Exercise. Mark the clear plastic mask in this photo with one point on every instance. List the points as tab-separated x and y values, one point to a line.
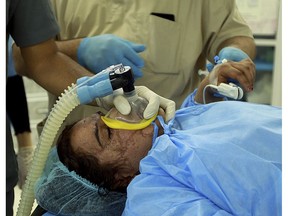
133	121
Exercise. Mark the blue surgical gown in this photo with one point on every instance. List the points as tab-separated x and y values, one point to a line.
222	158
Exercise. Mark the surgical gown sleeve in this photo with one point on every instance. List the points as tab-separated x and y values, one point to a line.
217	159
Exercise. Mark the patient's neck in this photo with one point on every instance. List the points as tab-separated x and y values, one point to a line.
160	128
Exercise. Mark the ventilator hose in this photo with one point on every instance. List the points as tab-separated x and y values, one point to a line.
66	103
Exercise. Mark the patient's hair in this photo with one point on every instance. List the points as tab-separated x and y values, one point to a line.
84	164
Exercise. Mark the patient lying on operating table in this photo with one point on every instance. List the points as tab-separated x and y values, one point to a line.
219	158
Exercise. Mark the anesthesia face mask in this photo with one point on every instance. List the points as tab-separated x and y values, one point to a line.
134	121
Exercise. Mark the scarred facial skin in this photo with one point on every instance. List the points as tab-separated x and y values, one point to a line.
124	147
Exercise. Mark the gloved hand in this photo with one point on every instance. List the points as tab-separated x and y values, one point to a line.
229	53
99	52
154	103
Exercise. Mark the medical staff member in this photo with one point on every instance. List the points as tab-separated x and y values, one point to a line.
178	37
32	26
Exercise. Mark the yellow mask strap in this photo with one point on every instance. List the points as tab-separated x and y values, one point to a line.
117	124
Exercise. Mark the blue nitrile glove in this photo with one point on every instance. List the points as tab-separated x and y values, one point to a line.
99	52
229	53
90	88
10	66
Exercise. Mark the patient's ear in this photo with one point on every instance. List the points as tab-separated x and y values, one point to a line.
122	179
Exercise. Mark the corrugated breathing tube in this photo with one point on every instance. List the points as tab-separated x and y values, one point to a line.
64	105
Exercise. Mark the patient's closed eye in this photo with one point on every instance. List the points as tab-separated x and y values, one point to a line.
109	132
100	113
102	133
96	132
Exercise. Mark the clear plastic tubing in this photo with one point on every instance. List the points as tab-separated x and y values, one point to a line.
66	103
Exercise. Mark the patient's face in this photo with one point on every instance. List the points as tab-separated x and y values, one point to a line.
111	146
